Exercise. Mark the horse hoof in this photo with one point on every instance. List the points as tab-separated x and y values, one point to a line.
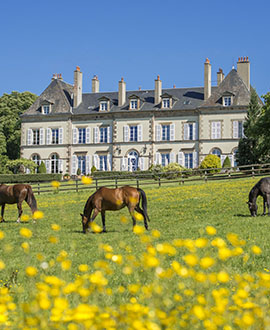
18	221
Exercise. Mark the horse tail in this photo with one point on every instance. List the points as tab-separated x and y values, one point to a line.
144	203
30	199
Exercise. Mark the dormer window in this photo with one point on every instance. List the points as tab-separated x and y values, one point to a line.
166	103
46	109
133	104
103	106
227	101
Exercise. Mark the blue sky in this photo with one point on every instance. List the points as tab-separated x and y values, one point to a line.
134	39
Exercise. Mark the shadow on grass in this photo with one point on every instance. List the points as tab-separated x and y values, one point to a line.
242	215
107	232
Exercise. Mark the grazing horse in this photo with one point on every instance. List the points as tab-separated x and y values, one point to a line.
261	188
17	194
106	199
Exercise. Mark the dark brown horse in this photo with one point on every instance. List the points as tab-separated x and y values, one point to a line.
261	188
17	194
106	199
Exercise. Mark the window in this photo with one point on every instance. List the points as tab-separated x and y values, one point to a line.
238	129
133	133
36	159
103	106
166	103
54	163
82	164
165	132
216	130
36	136
189	160
55	136
216	152
133	104
227	101
165	159
103	164
189	131
82	135
103	134
46	109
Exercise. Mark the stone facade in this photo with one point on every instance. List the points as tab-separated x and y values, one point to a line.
126	130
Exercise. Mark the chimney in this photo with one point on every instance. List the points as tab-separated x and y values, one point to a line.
95	84
220	76
158	90
121	92
207	79
54	76
243	69
77	98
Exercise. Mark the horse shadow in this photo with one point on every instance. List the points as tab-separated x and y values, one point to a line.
242	215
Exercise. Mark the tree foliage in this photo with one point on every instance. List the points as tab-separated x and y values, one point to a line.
226	163
211	161
19	165
42	168
11	107
263	136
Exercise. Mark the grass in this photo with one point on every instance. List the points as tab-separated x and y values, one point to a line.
176	211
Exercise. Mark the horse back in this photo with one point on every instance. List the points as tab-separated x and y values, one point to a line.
264	186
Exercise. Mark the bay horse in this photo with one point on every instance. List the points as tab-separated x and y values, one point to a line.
261	188
106	199
17	194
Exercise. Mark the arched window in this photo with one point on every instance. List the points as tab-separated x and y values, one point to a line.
36	158
216	152
54	163
133	159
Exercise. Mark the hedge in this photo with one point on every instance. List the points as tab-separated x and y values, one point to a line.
26	178
121	174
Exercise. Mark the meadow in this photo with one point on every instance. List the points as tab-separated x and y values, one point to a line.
204	263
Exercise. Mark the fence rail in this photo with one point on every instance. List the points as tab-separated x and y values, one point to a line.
157	178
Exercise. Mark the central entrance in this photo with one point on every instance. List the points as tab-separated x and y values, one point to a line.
133	161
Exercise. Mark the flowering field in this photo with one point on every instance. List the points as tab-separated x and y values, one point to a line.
204	263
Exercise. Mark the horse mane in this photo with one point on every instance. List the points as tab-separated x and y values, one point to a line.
30	199
253	193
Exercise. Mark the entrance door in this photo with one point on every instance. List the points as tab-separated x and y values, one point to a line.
132	161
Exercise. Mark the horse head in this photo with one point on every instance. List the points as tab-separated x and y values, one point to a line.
252	208
84	222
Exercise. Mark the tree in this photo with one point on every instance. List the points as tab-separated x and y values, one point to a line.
42	168
263	136
11	107
226	163
211	161
19	165
248	147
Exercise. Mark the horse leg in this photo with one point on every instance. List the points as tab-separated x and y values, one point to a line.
103	221
264	204
95	213
139	210
20	211
131	209
268	203
2	212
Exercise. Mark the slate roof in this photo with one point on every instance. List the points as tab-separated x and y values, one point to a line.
58	93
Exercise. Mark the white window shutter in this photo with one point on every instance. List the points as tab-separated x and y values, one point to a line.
61	135
61	165
195	131
186	127
96	161
123	164
87	134
231	157
172	132
140	133
181	158
48	165
96	135
29	137
48	136
41	136
195	159
74	165
235	129
87	165
218	129
222	158
75	134
158	132
126	133
213	130
109	162
109	133
172	157
141	163
158	158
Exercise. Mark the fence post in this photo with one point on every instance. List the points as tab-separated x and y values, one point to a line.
159	183
182	177
96	184
38	188
116	185
205	176
77	187
137	182
253	172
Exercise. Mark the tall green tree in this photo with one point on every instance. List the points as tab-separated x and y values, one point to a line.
248	147
264	129
11	107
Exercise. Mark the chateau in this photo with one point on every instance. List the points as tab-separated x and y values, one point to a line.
127	130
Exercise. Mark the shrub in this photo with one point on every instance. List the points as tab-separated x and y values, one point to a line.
211	162
79	172
93	169
19	165
227	162
28	178
42	168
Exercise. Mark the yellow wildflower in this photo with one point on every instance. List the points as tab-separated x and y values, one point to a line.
66	264
31	271
25	232
138	230
2	265
207	262
2	235
25	218
190	259
210	230
83	268
256	249
86	180
55	184
38	215
223	277
55	227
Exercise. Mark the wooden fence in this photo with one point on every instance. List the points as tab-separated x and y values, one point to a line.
157	178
